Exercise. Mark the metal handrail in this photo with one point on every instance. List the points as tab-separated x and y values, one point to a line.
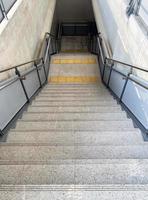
126	64
20	65
119	62
107	61
40	63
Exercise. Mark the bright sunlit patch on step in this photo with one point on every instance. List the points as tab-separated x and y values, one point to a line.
76	79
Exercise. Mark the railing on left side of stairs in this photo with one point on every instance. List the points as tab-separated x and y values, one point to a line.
25	81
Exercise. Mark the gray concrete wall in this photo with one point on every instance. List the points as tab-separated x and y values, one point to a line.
21	39
126	37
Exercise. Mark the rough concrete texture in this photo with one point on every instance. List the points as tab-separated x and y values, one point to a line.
21	39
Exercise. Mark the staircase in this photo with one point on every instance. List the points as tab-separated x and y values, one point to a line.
74	141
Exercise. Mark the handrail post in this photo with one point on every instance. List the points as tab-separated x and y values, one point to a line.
126	82
110	74
104	64
3	9
1	132
38	74
43	63
23	86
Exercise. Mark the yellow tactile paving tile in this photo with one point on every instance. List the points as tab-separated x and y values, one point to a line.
73	79
74	61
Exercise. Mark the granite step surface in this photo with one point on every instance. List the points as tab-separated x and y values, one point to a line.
87	94
74	125
118	171
74	103
72	91
75	109
74	116
47	98
76	138
74	192
44	152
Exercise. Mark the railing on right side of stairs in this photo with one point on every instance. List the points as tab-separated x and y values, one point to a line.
24	81
122	80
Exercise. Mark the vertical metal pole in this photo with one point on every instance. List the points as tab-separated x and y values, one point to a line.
38	74
43	63
110	75
124	88
1	132
51	43
21	80
104	70
3	9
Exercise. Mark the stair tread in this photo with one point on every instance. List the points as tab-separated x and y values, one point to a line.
75	109
75	125
74	116
97	103
75	192
81	138
40	152
100	172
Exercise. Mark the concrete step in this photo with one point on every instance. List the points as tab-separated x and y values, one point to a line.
75	172
74	192
74	103
74	116
79	78
75	109
44	152
93	93
86	95
74	92
73	55
73	70
74	89
69	86
73	98
76	138
74	125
